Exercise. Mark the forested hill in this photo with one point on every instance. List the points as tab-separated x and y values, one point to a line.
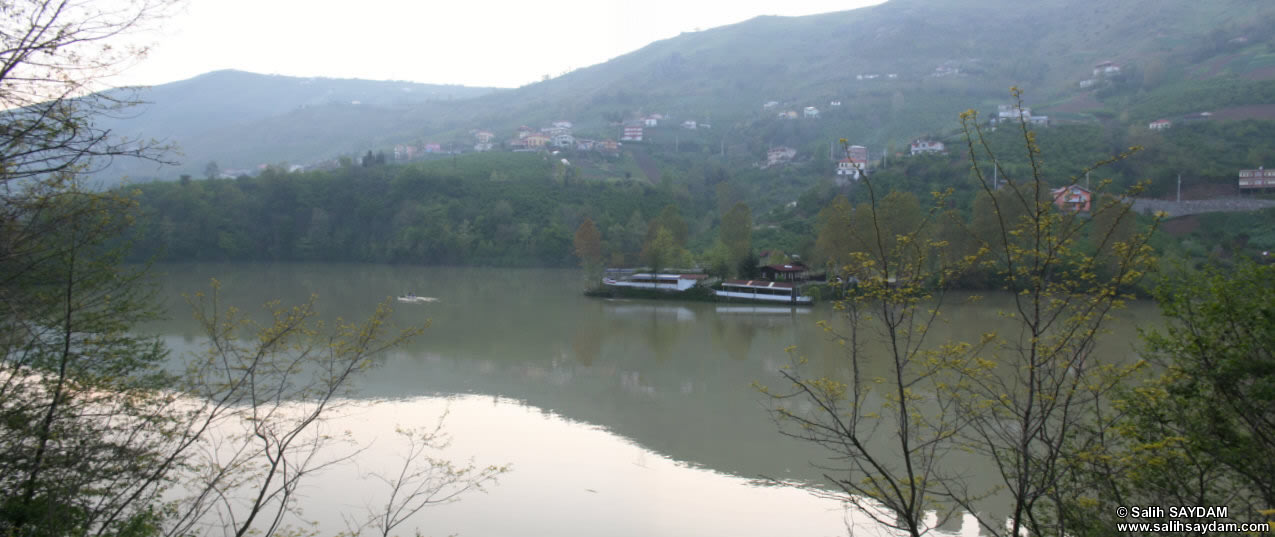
214	116
901	69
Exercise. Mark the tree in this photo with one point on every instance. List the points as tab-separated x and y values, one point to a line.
100	434
663	251
588	247
833	244
212	170
1021	396
736	233
1201	431
66	304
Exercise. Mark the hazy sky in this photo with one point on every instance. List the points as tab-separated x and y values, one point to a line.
478	43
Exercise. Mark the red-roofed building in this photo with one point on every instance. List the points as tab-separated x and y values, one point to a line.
1073	198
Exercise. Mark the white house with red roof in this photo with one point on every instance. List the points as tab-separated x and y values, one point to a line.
920	147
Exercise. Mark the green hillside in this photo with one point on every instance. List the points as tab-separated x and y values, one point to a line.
1177	57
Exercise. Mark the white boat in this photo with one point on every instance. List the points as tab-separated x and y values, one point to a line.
762	291
413	299
662	282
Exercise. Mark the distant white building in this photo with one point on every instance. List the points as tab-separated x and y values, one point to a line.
834	103
563	140
650	121
631	134
1106	68
920	147
562	124
1160	124
769	105
690	124
810	111
852	168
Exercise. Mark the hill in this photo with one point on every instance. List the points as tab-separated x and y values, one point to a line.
211	117
902	69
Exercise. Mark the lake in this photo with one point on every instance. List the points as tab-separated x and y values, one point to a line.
618	417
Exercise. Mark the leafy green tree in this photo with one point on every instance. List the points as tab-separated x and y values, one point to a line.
663	251
588	247
1201	431
834	243
736	233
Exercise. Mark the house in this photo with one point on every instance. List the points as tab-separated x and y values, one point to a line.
482	146
517	144
851	167
1261	178
560	124
433	148
1087	83
792	272
810	111
790	114
484	136
563	140
524	131
537	139
583	144
858	153
608	146
650	121
1012	111
926	146
1105	68
769	105
1160	124
689	124
834	104
631	134
778	155
1073	198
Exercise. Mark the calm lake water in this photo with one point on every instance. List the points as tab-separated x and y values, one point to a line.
618	417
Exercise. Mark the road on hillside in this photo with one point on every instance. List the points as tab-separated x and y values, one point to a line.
1187	207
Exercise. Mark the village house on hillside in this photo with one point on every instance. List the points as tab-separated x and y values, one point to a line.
631	133
1074	198
690	124
1259	179
1010	112
536	139
564	140
851	167
1160	124
810	111
779	155
1106	68
921	146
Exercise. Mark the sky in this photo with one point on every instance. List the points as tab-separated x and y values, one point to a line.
499	43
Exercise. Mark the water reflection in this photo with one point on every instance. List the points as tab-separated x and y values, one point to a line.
584	394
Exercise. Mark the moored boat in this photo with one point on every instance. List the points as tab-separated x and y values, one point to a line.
762	291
